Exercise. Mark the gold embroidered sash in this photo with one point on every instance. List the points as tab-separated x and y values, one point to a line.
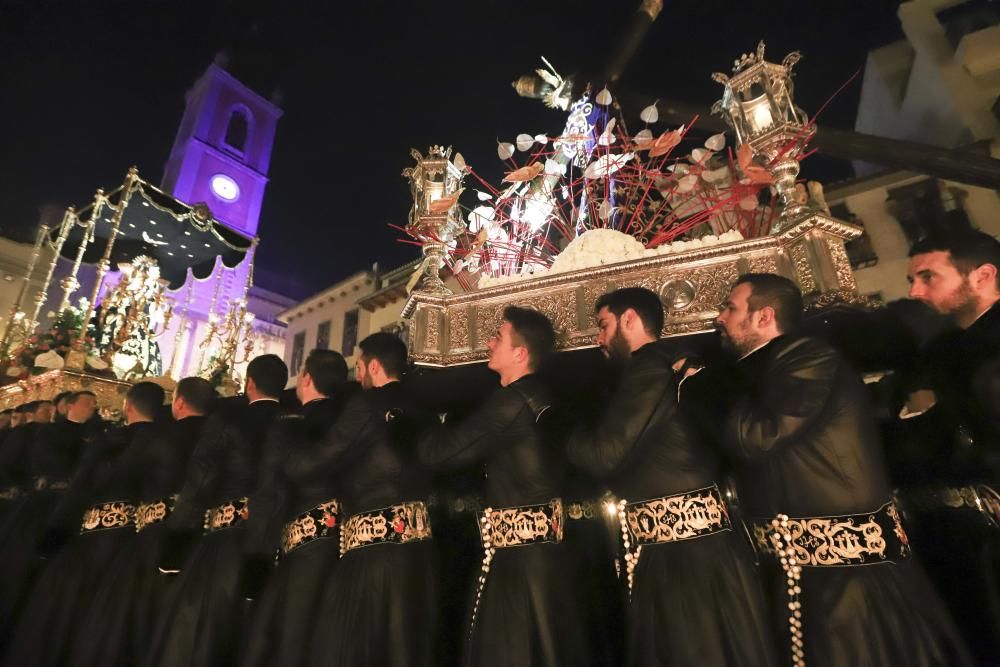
227	515
396	524
107	516
681	517
521	525
314	524
151	513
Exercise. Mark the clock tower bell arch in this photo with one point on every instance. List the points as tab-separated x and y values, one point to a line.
223	149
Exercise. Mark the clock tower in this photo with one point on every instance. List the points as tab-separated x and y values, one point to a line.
223	150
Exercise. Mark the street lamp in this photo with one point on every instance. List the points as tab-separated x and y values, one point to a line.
758	105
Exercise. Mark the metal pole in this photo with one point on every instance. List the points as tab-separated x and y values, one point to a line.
70	283
69	219
105	264
43	231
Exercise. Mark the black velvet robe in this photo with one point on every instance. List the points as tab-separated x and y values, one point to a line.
529	613
810	447
53	455
695	601
283	611
379	605
60	601
205	615
130	590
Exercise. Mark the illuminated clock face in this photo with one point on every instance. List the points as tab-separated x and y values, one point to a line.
225	188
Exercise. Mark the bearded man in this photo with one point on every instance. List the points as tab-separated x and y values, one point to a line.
694	593
814	486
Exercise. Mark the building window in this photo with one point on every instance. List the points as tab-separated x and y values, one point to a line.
323	336
298	348
860	251
350	332
928	208
237	131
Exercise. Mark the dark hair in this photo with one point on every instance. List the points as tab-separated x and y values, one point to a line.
644	302
197	392
146	397
778	292
25	408
60	396
968	250
77	394
8	411
534	331
269	373
388	349
327	369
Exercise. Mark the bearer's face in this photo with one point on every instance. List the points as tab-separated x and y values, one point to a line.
935	281
737	323
503	350
610	338
361	371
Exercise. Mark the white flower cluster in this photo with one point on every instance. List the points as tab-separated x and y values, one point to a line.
600	247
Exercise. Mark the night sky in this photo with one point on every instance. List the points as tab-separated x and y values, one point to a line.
91	88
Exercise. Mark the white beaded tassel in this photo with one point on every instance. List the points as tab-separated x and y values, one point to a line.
486	530
782	539
631	559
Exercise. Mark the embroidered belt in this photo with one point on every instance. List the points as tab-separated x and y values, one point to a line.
583	509
674	518
10	493
314	524
46	484
396	524
522	525
228	514
828	541
152	513
980	498
108	516
516	527
857	539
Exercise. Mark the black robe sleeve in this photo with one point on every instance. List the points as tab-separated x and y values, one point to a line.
447	447
643	393
790	396
355	424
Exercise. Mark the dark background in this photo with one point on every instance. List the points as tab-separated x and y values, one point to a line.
89	89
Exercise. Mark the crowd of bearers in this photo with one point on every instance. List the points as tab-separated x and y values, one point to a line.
755	517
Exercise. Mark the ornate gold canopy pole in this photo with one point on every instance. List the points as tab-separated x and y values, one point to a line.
69	219
213	317
43	231
70	283
105	264
182	326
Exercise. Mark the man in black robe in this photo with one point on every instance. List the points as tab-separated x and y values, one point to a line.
695	597
48	465
814	487
130	590
378	606
302	521
15	450
94	520
956	397
525	611
204	616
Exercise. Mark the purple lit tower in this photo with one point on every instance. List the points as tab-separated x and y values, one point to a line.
220	157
